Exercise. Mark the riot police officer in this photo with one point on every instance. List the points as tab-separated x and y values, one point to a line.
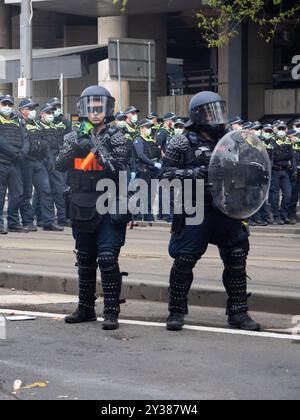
99	238
188	157
34	171
284	168
166	132
147	155
13	148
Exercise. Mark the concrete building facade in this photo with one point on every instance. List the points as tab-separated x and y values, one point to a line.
253	76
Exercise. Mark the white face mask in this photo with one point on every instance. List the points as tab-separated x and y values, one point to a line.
121	124
297	129
134	119
281	133
148	132
49	119
267	136
32	115
57	112
179	131
6	110
258	133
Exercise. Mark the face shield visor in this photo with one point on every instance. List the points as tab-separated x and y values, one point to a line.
101	107
212	114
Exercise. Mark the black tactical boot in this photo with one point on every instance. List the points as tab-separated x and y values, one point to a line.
181	280
243	322
18	229
53	228
81	315
31	228
175	322
3	231
111	321
235	282
87	272
112	285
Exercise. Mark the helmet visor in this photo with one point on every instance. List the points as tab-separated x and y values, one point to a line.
102	106
211	114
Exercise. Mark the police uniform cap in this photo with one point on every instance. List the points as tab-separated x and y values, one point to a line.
236	120
47	107
144	123
179	122
247	125
131	110
27	103
268	127
120	116
170	116
7	98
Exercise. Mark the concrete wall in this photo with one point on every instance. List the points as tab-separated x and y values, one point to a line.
5	37
282	101
150	27
260	72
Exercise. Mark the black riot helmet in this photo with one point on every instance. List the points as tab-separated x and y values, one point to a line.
97	99
208	113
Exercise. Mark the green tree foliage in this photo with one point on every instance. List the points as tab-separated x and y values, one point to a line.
220	20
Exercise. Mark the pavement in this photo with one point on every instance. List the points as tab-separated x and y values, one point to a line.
45	262
143	361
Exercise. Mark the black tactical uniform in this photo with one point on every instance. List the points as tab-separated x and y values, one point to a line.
34	171
284	167
296	180
13	148
188	157
99	239
165	134
147	158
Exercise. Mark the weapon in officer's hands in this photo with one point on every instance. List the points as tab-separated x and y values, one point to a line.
100	150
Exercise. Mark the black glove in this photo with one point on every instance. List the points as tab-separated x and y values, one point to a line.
82	143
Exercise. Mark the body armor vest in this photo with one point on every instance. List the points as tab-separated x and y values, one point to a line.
283	153
11	131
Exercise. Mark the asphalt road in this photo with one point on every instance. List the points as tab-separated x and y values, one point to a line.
144	362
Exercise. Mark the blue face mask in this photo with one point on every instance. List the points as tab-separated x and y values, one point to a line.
6	110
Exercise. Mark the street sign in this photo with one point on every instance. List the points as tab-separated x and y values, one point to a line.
22	88
134	59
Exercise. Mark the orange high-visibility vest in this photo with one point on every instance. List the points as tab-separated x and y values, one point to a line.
93	166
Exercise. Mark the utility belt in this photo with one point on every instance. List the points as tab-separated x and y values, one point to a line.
279	168
86	182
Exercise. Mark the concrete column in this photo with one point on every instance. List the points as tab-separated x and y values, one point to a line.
232	75
150	27
112	27
5	38
79	35
260	72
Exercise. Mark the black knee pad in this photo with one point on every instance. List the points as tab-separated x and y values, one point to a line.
107	260
185	262
84	259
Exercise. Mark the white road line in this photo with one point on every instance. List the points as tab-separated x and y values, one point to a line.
288	337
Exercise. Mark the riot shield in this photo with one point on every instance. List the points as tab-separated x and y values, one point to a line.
240	175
